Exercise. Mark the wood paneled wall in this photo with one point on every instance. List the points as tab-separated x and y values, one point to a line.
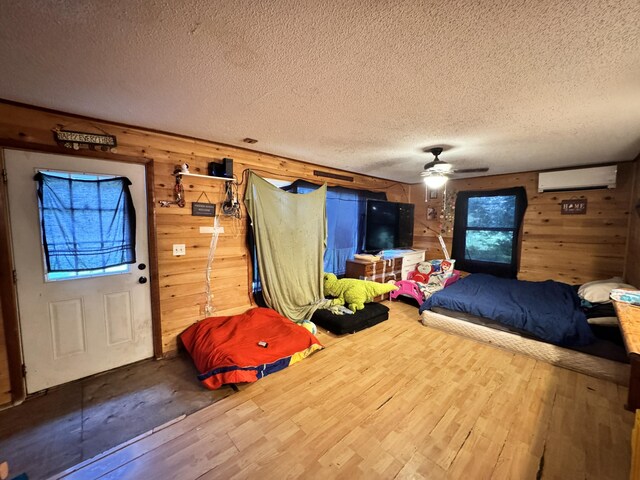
568	248
182	279
424	229
5	381
632	267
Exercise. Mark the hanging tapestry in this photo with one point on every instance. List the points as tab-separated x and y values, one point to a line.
289	232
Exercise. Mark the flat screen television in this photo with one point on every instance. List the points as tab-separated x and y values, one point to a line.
388	225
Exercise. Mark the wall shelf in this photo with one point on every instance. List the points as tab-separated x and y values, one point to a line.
224	179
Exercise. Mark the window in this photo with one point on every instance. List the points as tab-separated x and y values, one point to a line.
87	224
486	231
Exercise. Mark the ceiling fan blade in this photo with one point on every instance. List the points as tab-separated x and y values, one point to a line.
471	170
438	166
430	165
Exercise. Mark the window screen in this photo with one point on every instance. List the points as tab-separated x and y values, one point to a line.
86	224
486	231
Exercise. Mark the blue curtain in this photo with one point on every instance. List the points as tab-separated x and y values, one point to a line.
345	222
86	224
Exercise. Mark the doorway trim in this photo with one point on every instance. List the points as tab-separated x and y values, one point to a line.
8	297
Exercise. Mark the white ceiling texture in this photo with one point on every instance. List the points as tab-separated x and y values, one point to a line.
364	86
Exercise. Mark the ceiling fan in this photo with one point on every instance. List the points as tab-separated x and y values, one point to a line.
436	172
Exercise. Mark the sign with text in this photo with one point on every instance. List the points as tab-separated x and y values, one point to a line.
84	140
576	206
199	209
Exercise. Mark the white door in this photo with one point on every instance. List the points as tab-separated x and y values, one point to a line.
84	323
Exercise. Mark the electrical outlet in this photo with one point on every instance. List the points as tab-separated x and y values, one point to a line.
179	249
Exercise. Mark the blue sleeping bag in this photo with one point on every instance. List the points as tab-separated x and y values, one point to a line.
548	310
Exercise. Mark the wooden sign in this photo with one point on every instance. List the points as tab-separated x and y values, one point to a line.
78	140
577	206
200	209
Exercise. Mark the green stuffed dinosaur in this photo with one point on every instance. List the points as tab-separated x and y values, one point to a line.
353	292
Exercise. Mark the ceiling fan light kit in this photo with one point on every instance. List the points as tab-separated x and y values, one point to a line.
436	172
435	180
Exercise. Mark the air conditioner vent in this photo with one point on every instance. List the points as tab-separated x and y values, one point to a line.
578	179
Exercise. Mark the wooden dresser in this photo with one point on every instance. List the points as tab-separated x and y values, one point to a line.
395	268
380	272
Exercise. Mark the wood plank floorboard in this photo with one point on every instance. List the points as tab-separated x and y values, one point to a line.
398	400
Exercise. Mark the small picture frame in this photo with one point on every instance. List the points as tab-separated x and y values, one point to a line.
432	214
433	194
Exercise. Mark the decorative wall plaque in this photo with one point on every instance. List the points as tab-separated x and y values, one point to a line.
576	206
199	209
202	209
83	140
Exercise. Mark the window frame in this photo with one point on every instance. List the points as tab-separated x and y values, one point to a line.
461	228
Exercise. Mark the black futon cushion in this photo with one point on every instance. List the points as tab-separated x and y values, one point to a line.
370	315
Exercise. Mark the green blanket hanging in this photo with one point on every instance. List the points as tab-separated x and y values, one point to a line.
290	233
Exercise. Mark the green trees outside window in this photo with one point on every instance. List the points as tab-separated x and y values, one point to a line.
486	230
490	224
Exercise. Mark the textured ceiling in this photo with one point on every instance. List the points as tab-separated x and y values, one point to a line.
360	85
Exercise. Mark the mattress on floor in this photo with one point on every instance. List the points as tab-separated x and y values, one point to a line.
606	345
372	314
563	357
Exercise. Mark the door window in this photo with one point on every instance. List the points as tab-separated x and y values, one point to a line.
87	224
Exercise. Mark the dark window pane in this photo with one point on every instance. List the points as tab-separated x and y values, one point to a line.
495	211
489	246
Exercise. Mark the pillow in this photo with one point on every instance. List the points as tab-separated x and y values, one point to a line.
430	267
598	291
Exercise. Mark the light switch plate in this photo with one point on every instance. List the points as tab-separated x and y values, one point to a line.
179	249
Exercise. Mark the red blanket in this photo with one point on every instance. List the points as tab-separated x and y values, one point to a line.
227	349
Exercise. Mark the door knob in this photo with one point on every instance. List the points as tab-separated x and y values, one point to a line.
142	280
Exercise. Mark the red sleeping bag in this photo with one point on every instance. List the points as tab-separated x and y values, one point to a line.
228	349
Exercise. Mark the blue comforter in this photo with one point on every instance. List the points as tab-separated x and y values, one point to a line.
548	310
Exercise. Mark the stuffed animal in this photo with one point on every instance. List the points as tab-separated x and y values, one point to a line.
353	292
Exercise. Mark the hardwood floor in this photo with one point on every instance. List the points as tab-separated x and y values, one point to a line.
68	424
399	400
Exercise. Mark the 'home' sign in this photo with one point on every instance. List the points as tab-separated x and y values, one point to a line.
576	206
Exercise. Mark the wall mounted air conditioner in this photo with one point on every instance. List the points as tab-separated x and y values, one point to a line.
578	179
